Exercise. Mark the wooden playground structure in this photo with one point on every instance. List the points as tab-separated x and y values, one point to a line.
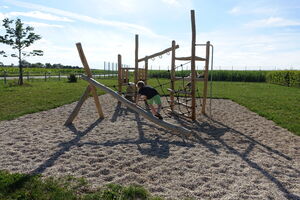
142	74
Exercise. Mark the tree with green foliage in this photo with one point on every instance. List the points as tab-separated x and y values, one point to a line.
19	36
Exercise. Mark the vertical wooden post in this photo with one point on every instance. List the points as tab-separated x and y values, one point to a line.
120	81
89	74
146	70
172	75
193	81
205	77
136	63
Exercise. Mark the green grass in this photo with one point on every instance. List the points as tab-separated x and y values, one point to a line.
274	102
39	95
33	187
277	103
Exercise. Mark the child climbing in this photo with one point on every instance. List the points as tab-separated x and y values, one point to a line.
151	96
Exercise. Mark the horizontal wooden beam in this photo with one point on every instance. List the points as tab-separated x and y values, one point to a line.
190	58
157	54
127	68
139	110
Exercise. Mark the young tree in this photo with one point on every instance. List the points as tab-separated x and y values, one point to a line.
19	37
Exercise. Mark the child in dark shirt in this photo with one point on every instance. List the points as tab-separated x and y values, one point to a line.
152	97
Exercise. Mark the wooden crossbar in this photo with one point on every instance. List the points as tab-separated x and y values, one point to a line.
157	54
197	58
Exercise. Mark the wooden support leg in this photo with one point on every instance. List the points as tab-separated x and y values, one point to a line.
89	74
97	102
78	106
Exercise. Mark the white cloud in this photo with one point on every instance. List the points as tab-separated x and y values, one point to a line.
253	10
186	4
134	28
5	7
39	24
272	22
2	16
235	10
172	2
40	15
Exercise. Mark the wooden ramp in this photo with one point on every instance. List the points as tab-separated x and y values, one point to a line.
138	109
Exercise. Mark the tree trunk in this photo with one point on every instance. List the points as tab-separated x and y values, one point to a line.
20	82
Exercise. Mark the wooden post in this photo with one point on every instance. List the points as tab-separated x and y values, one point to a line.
45	76
78	106
89	74
136	63
193	82
172	75
146	71
205	77
120	81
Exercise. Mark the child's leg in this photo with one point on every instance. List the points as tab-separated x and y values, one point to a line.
158	108
153	110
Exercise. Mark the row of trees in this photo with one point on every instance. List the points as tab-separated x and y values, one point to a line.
19	37
26	64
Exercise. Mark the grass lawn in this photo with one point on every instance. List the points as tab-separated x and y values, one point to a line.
278	103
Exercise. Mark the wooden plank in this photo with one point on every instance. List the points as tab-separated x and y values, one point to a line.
193	69
157	54
78	106
205	77
197	58
138	109
89	74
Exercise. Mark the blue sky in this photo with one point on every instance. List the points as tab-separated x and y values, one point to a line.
256	34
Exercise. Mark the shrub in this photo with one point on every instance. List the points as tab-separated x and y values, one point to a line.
72	78
285	78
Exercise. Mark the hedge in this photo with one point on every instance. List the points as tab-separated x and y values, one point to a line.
285	78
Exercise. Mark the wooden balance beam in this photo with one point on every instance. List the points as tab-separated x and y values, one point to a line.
138	109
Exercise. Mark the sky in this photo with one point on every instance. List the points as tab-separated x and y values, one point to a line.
246	35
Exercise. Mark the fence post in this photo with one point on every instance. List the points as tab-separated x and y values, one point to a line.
45	76
59	76
27	76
